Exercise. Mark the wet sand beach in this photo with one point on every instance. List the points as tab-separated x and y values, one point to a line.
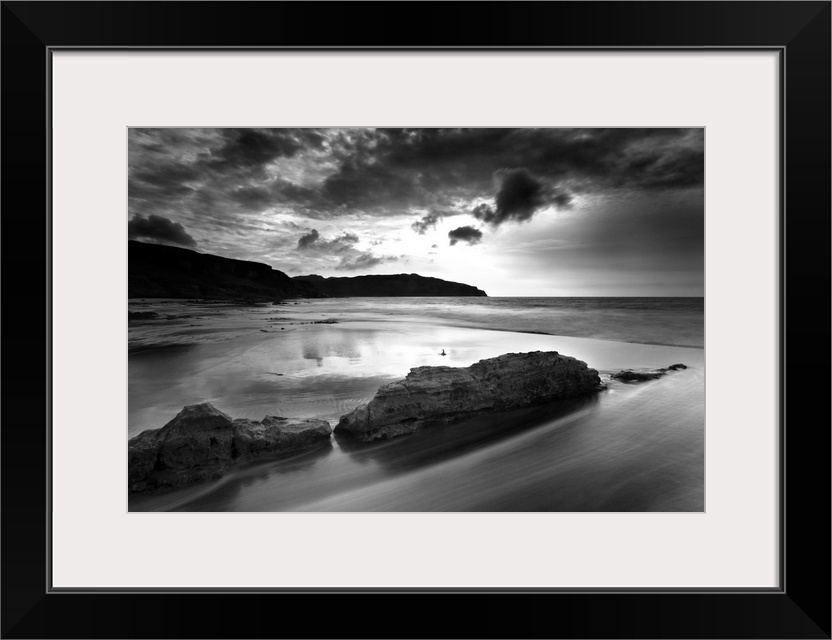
630	448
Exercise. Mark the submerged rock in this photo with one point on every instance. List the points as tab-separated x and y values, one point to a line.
201	443
449	394
645	374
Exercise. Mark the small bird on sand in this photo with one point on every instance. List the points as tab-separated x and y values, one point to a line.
443	353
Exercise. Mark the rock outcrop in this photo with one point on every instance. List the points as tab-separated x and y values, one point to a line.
449	394
201	443
642	375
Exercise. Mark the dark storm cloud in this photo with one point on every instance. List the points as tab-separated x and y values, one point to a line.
157	229
391	171
370	186
214	168
252	198
253	148
285	191
465	234
308	240
166	173
562	199
416	165
386	171
238	190
519	197
159	191
156	183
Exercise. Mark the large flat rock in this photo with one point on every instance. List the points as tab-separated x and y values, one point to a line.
430	395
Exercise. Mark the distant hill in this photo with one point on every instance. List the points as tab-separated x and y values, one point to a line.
388	286
159	271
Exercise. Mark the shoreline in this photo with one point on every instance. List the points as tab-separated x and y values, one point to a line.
303	316
562	335
326	370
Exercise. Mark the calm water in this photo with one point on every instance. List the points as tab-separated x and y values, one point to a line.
668	321
632	448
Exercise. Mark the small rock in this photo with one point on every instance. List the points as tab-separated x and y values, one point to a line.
643	375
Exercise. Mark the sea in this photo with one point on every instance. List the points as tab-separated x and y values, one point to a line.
632	447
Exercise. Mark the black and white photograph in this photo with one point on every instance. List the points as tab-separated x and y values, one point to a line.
416	311
416	320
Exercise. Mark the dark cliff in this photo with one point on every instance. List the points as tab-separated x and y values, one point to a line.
388	286
159	271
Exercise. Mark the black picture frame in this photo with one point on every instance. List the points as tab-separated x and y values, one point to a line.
799	608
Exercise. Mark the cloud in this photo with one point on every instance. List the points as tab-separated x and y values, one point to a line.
217	174
348	238
252	198
368	187
561	199
323	252
309	239
519	197
160	230
385	170
234	189
363	261
465	234
252	148
432	217
426	222
340	244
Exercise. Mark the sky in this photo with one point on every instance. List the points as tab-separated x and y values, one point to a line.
515	212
